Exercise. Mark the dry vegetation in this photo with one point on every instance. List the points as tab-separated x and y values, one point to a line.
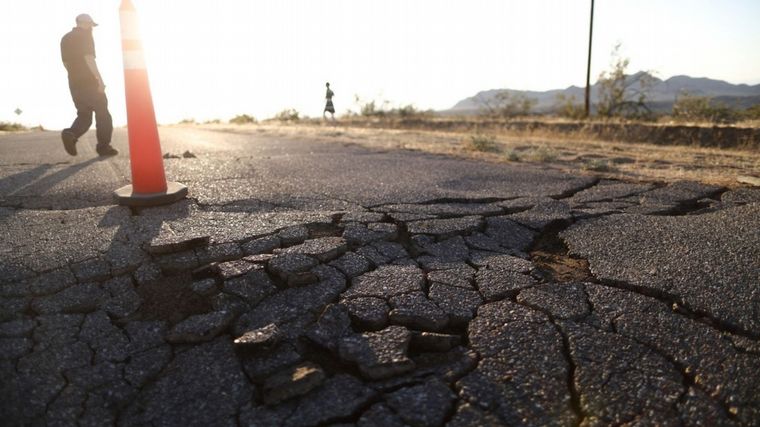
572	152
11	127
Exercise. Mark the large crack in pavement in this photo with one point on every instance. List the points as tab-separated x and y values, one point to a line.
689	378
572	382
346	315
554	263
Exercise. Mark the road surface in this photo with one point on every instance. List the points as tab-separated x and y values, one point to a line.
306	283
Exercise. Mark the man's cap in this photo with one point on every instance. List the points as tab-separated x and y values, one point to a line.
86	18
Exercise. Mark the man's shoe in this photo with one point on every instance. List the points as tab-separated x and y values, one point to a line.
106	150
69	142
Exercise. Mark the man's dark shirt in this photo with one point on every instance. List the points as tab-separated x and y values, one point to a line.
75	45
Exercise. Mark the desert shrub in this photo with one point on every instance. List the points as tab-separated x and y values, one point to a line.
506	104
372	108
512	155
212	122
695	108
689	107
621	95
242	119
722	113
382	109
288	115
11	127
567	106
542	154
752	113
482	143
187	121
408	110
368	109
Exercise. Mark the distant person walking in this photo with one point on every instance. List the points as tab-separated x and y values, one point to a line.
87	88
329	105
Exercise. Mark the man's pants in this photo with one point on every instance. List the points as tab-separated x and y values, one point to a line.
88	100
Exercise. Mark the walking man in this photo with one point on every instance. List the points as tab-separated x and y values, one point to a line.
87	88
329	105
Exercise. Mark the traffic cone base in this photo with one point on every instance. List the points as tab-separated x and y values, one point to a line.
174	191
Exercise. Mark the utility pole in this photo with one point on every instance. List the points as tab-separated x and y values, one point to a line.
588	66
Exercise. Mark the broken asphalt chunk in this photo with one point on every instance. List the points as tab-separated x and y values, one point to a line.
291	382
415	311
293	269
386	281
369	313
261	338
379	354
323	249
200	327
352	264
167	243
333	324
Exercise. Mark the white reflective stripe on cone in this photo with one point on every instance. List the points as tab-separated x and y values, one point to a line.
134	60
129	28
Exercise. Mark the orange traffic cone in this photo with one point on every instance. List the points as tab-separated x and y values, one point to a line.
149	186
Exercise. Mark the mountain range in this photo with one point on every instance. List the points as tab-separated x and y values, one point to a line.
660	97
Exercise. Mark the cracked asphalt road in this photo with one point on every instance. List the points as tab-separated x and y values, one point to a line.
307	284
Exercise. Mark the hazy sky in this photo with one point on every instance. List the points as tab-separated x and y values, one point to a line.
215	59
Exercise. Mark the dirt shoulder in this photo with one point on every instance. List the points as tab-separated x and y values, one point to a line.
572	152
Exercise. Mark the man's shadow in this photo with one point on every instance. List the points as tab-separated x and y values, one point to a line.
42	185
23	177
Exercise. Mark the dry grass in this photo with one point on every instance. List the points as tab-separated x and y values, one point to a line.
571	153
11	127
541	154
482	143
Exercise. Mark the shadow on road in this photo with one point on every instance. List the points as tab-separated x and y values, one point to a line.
46	183
135	231
21	178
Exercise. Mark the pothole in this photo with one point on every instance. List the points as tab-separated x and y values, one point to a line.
550	256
